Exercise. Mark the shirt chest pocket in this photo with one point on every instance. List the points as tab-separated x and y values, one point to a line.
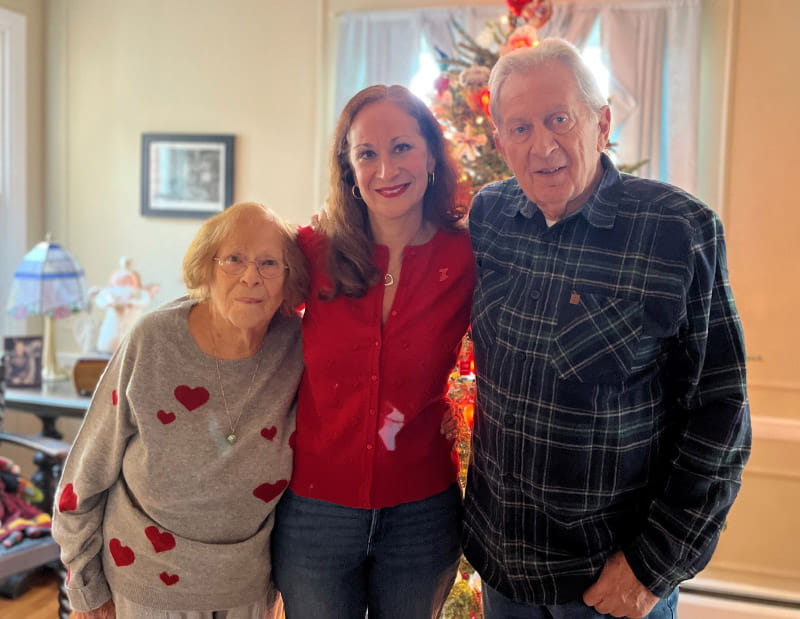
597	338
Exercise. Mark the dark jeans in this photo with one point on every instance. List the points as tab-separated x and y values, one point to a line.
497	606
334	562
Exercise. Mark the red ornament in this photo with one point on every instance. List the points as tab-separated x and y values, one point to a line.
441	84
516	6
537	13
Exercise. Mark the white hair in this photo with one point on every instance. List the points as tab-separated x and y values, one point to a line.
528	58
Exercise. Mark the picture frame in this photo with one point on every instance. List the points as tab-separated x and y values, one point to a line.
186	175
23	360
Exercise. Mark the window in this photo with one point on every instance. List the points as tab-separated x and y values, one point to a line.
651	49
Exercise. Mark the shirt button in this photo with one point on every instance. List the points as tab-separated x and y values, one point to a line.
508	420
372	411
535	294
374	378
369	445
393	313
521	356
508	479
377	343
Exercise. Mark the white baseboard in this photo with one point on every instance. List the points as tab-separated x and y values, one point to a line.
695	606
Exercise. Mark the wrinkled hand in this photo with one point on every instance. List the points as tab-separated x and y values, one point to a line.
449	427
618	592
106	611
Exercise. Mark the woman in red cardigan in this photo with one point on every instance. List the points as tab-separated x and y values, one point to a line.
372	519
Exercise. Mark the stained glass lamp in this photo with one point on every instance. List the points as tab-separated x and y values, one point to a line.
48	282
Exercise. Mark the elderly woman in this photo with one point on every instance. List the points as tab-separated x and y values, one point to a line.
166	504
372	519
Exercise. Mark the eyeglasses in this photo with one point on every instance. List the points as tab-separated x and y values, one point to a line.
268	268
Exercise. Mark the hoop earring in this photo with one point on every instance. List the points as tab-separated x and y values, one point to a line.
432	178
356	192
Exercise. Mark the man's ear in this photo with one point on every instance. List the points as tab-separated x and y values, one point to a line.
604	128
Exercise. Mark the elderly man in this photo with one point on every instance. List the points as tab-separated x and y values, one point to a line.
613	422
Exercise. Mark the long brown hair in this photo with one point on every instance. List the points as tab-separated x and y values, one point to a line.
345	220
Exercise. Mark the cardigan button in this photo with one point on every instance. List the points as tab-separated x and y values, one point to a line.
374	378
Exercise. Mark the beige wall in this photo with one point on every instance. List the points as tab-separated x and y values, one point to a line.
760	545
118	69
34	13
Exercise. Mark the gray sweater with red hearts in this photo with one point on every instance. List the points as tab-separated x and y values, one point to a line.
154	504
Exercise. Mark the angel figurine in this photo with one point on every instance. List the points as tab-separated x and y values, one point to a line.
124	301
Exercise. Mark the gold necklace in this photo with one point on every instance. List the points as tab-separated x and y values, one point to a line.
231	438
388	278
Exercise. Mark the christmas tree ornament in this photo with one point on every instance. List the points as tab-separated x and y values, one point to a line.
537	13
516	6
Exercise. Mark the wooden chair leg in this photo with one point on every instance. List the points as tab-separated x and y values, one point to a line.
64	608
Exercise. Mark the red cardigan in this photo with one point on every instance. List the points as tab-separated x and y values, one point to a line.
372	398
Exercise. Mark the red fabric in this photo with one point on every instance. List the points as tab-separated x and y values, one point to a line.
358	373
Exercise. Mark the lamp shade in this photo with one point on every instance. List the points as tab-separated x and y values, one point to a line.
48	281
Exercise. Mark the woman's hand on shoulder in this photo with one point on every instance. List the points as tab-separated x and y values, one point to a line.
450	419
106	611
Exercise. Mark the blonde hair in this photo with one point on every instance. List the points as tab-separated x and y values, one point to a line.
198	261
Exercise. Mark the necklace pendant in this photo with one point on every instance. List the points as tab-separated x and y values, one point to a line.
388	280
231	438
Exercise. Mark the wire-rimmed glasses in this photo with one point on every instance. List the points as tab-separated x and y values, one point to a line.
268	268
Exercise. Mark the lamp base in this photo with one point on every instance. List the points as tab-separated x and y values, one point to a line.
51	375
51	371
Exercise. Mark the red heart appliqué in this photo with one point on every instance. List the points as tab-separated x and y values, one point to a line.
191	398
169	579
269	433
165	417
69	500
114	397
123	555
161	541
267	492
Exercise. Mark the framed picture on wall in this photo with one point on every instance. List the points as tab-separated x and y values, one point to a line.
23	361
186	175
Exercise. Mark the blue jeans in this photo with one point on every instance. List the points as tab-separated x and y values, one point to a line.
498	606
334	562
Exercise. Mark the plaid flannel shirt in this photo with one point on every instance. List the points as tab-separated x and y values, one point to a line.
611	411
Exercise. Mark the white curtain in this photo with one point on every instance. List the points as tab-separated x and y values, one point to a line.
365	38
363	57
571	21
652	50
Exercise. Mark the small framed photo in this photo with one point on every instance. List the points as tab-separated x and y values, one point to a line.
23	361
186	175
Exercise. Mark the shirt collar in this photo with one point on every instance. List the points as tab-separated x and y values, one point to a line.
600	209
